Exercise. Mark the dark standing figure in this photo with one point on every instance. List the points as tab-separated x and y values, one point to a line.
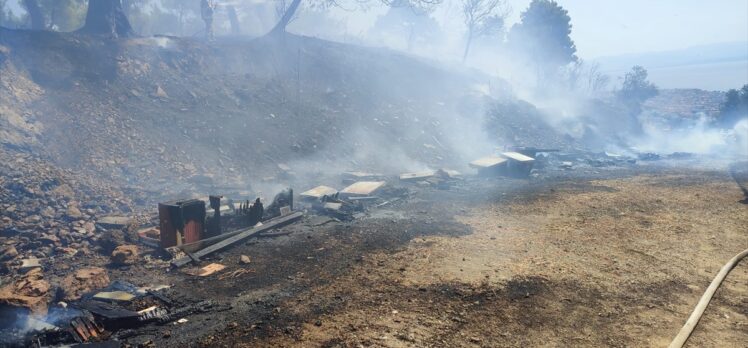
214	226
208	7
255	213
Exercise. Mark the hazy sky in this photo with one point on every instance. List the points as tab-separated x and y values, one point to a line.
612	27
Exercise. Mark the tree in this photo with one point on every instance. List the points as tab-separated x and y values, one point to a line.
140	14
179	11
734	108
36	16
584	77
289	12
107	17
596	80
636	89
280	27
8	18
542	37
4	15
58	15
64	15
234	20
407	25
482	18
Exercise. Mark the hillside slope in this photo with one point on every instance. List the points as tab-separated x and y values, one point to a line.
158	113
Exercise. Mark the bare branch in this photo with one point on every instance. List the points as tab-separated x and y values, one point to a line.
483	18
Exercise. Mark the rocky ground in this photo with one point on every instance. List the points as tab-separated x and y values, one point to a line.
688	103
50	212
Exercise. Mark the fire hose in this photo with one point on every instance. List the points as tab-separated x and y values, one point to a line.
687	329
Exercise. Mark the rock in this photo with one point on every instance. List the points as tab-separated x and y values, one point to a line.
110	240
48	212
125	255
74	212
33	219
117	222
160	93
83	281
8	253
66	251
29	264
244	259
30	294
49	239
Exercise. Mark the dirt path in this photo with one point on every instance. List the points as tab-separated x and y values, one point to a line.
617	262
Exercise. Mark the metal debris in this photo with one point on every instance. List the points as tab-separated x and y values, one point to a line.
239	236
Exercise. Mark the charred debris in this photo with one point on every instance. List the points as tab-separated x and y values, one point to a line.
185	235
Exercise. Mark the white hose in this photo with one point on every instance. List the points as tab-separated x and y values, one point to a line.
687	329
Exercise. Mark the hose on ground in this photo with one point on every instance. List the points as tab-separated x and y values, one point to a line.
687	329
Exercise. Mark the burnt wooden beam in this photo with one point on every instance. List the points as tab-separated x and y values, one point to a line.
239	237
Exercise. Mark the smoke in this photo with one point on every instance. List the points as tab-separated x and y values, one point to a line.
696	137
26	322
741	137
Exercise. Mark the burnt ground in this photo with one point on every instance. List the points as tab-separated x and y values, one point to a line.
612	258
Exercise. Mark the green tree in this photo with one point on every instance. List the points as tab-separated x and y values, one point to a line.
636	89
542	37
64	15
734	108
58	15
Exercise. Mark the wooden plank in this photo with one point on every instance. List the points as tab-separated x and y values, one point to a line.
417	176
362	198
517	156
318	192
207	270
362	188
193	247
488	162
240	236
361	176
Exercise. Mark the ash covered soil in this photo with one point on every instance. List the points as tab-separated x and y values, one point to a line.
618	259
616	255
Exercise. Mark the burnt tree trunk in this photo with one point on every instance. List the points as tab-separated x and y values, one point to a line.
280	28
234	19
107	17
35	14
467	44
